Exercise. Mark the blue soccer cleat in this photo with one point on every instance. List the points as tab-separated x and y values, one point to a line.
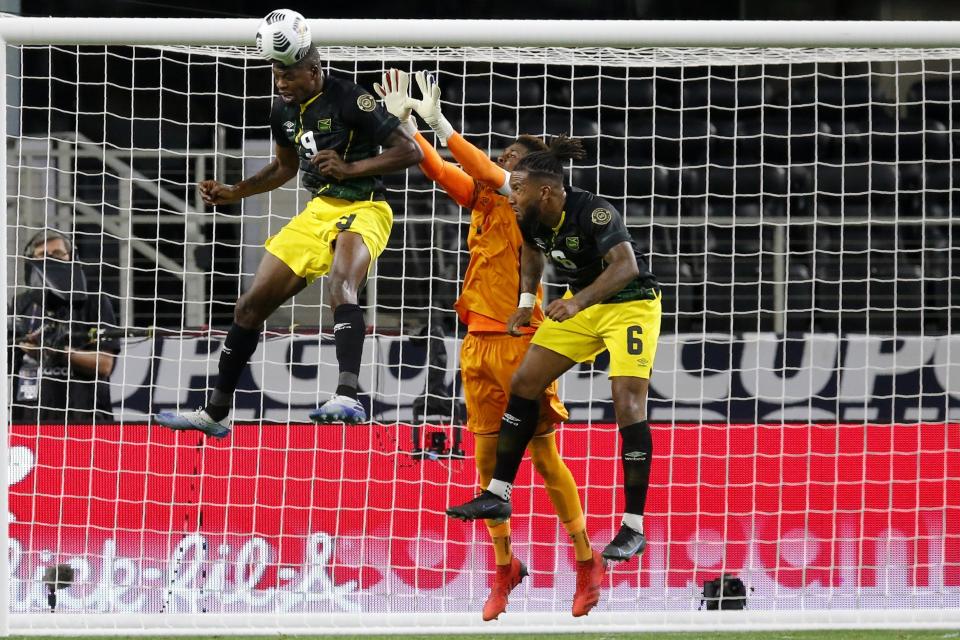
339	409
488	506
627	543
197	420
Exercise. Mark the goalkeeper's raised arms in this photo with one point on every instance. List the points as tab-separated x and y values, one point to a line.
397	101
476	163
429	107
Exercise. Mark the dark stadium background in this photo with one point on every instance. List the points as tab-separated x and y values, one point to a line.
905	275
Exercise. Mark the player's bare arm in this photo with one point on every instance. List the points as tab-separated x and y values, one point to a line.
621	269
98	363
278	172
531	270
400	151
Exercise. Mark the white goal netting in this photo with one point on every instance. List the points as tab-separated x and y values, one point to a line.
797	206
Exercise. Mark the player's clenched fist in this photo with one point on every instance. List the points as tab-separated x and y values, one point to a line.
564	309
329	163
519	318
213	193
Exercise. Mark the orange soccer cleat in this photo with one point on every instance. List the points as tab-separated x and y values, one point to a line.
589	576
508	576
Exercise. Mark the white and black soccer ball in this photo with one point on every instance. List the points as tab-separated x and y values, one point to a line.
284	37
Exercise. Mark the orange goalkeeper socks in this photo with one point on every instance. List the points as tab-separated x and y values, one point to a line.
500	536
562	490
578	535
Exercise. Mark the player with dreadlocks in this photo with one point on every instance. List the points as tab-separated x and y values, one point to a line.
612	303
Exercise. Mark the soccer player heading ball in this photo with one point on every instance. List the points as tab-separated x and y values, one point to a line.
613	303
330	130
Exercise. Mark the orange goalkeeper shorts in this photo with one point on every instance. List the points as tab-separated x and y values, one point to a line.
487	363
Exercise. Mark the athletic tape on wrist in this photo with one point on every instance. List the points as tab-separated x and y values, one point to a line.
442	127
527	301
410	125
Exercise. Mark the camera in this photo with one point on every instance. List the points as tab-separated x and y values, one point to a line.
726	592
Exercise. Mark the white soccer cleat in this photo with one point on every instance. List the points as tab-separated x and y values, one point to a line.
340	409
197	420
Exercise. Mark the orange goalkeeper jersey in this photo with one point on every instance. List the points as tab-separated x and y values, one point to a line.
491	287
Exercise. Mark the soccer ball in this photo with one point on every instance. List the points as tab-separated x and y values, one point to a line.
283	36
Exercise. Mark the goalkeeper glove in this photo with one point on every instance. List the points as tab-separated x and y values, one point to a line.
395	98
429	107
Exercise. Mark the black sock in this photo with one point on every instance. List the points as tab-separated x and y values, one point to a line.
635	457
238	346
516	430
348	332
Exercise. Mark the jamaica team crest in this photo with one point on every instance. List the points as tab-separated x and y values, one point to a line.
601	216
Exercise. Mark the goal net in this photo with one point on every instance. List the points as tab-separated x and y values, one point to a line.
797	205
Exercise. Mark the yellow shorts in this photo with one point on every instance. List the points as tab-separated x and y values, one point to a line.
629	330
487	363
305	244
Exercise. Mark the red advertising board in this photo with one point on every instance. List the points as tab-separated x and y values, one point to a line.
307	518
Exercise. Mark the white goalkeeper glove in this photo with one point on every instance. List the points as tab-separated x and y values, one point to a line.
429	107
395	98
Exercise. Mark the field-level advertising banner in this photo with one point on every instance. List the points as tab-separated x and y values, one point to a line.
697	378
326	519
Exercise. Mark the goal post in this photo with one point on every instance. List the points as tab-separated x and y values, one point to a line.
793	186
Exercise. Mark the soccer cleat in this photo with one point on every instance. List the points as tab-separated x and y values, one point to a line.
339	409
507	578
626	544
197	420
486	505
589	576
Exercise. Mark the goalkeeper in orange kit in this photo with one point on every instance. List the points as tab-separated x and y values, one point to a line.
490	354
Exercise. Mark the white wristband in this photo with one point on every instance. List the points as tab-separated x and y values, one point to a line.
442	127
527	301
410	125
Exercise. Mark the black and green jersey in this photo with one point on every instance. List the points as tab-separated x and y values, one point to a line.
343	117
588	229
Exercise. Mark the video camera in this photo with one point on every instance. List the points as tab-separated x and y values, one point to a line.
57	334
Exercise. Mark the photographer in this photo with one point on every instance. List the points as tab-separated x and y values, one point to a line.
60	370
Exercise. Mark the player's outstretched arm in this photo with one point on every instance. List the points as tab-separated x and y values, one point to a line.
450	177
621	269
531	270
278	171
474	161
454	181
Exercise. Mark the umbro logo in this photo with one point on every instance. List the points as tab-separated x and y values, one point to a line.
635	456
341	325
289	124
511	419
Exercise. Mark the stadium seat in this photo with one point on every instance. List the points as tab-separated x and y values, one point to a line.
887	139
663	137
781	136
844	188
834	99
935	97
